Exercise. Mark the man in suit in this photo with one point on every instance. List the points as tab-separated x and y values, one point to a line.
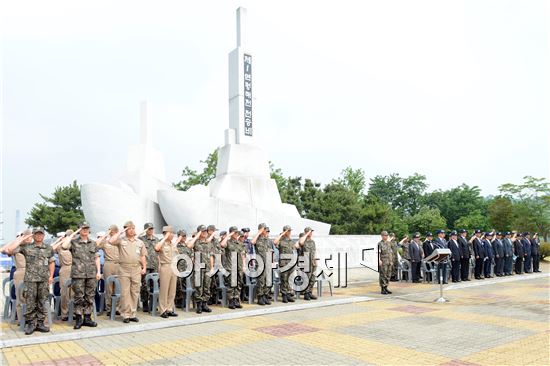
498	249
455	256
535	252
428	247
464	255
518	251
441	243
415	254
527	251
508	253
479	252
489	255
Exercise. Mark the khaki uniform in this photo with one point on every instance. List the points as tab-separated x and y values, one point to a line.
83	274
65	263
38	258
130	253
385	253
18	278
110	268
167	277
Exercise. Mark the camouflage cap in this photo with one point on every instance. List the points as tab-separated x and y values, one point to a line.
148	225
267	229
38	229
301	234
222	233
167	229
307	229
384	233
182	233
239	232
287	228
233	229
128	224
245	230
211	228
262	226
201	228
84	225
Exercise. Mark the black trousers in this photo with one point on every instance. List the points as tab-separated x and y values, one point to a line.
499	265
508	265
464	268
536	262
519	265
442	272
455	270
415	269
478	270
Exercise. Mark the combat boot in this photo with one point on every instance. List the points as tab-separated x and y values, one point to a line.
290	298
285	299
388	291
231	304
383	291
41	327
146	306
88	322
261	301
312	297
29	328
306	296
205	308
199	307
266	300
238	304
78	322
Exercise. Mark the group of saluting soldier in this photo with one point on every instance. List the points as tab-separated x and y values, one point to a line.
130	257
493	252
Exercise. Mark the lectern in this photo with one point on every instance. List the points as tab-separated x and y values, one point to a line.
439	256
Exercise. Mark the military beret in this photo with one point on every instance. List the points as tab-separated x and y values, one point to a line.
262	226
38	229
287	228
233	229
384	233
429	234
148	225
84	225
128	224
167	229
222	233
211	228
307	229
182	233
201	228
462	231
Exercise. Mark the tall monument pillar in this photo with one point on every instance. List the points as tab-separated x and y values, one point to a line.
241	119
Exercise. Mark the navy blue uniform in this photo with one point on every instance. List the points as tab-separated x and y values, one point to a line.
455	260
442	266
535	254
498	249
518	251
464	258
527	254
479	252
508	256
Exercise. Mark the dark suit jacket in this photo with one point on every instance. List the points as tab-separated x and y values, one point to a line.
498	248
428	247
488	249
508	247
440	243
479	249
518	248
414	252
526	246
464	247
535	246
455	250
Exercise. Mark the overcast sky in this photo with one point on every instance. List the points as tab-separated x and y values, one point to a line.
454	90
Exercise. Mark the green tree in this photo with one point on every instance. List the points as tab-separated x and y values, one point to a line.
501	213
353	179
531	204
192	177
59	212
456	202
474	220
426	219
405	195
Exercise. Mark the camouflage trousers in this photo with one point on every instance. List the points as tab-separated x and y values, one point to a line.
143	293
261	282
36	295
84	295
285	276
311	278
384	273
202	292
234	292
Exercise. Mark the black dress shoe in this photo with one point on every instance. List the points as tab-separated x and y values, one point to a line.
64	318
134	319
172	314
164	315
126	320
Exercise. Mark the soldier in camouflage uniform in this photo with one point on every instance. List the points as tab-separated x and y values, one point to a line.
203	253
263	245
394	248
85	272
385	262
182	266
216	250
150	240
286	247
309	249
40	267
231	244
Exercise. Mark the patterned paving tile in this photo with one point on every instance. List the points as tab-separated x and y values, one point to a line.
286	330
412	309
